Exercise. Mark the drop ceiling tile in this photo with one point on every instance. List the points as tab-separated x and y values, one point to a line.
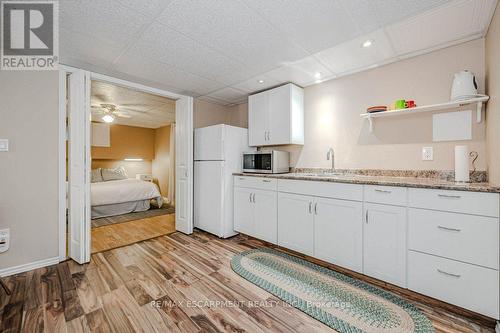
235	30
214	100
440	26
165	45
390	11
104	19
313	24
141	67
301	72
352	55
75	46
228	94
150	8
253	85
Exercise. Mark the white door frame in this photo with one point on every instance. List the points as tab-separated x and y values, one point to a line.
63	71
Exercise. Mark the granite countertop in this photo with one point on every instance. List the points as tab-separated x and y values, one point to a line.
433	183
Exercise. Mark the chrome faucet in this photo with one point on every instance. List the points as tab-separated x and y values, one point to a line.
331	155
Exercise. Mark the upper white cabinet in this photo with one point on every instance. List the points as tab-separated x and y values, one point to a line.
276	116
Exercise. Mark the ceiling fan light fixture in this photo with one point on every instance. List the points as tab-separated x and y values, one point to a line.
108	118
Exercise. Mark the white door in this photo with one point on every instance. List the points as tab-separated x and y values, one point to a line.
384	249
184	165
279	115
266	215
208	196
244	210
257	119
338	232
295	222
79	166
209	143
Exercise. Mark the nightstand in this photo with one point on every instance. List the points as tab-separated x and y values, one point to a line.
144	176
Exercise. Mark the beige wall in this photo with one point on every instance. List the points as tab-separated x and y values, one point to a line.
161	162
127	142
131	167
332	111
207	114
29	171
493	90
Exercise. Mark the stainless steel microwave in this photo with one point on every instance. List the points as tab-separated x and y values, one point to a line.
273	161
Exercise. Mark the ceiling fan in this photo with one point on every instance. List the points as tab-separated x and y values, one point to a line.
109	112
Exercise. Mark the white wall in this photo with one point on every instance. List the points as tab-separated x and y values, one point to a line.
332	111
493	90
29	171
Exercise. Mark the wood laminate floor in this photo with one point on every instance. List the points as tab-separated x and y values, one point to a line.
126	233
173	283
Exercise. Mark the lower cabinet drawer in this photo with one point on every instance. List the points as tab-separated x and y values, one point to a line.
262	183
468	286
469	238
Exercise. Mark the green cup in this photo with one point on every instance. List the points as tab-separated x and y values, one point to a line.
399	104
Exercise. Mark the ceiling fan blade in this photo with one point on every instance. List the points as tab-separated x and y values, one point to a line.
122	114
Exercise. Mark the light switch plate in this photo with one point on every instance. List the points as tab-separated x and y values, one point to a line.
427	154
4	145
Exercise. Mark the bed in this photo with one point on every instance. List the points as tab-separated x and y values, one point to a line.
117	197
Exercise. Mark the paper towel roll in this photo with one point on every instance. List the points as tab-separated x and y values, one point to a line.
461	164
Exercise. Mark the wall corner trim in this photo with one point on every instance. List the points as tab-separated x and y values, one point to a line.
28	267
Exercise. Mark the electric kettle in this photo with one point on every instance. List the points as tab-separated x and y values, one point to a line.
464	86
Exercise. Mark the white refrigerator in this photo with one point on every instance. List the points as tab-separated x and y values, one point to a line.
218	153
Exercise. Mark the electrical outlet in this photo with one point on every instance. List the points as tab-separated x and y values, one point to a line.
427	154
4	240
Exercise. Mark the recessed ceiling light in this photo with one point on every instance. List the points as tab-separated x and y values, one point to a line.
261	81
368	43
108	118
317	75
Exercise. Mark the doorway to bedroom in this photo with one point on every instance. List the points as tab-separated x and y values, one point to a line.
132	190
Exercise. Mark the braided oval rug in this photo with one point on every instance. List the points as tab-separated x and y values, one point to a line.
341	302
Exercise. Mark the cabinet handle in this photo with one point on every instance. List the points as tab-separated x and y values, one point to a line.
254	198
366	216
241	178
449	274
310	207
269	135
316	208
382	191
265	135
448	229
266	181
250	198
449	196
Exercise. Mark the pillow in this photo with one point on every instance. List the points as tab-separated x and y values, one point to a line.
114	174
96	176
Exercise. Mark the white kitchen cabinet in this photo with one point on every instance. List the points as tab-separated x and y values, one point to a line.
265	215
295	222
276	116
258	106
338	232
243	210
384	250
255	208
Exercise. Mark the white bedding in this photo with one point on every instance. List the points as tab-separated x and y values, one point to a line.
125	190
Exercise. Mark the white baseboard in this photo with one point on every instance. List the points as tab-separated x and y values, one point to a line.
28	267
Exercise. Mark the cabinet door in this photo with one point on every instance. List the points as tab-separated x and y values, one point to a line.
295	222
279	115
338	232
243	210
258	106
384	248
266	215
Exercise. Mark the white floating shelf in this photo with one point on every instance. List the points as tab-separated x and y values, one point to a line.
428	108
